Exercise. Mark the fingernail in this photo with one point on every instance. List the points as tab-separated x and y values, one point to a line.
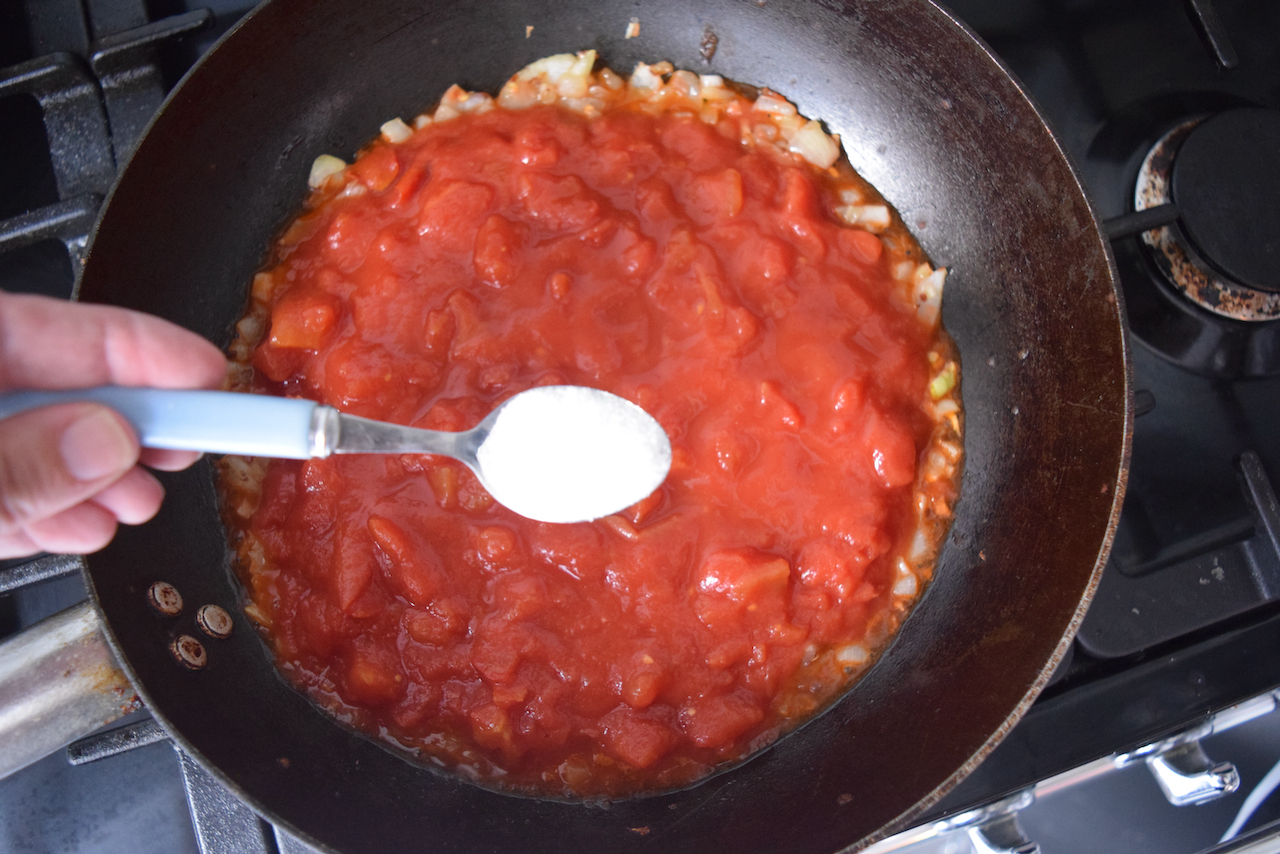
96	446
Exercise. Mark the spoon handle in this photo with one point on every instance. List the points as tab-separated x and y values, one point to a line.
339	433
220	422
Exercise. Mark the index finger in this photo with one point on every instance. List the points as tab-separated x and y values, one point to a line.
49	343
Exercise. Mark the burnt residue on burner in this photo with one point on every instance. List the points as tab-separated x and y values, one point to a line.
1184	333
1200	290
1205	158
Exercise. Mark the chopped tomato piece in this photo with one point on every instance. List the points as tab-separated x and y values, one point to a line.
863	245
636	740
376	168
373	676
715	721
303	318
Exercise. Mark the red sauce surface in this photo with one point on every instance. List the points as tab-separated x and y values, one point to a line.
658	258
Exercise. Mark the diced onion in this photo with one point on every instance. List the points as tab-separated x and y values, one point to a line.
552	67
644	77
686	83
457	101
790	124
323	168
610	80
906	585
941	384
716	92
765	132
946	407
919	545
253	612
476	102
396	131
854	654
564	75
812	143
935	463
250	327
576	80
238	374
928	296
774	104
874	218
237	468
518	95
263	286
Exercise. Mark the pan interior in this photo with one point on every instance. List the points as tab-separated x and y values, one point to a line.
927	116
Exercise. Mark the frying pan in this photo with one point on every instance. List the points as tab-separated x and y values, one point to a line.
934	122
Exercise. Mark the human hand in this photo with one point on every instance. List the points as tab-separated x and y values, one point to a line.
70	473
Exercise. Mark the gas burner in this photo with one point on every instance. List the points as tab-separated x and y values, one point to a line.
1227	163
1202	286
1221	174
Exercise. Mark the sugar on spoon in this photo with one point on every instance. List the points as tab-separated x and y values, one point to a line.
553	453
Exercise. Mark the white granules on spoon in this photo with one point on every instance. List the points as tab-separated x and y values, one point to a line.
572	454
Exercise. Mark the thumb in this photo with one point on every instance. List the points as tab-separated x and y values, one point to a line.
55	458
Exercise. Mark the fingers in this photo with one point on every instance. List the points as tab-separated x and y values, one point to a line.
67	477
67	473
133	499
82	529
48	343
162	459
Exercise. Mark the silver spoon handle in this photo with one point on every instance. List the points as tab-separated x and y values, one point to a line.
335	432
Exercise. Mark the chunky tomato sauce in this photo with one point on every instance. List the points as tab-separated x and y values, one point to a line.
657	257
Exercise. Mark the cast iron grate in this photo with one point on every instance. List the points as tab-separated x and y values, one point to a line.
94	106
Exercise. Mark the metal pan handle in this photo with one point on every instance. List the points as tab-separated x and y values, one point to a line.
59	681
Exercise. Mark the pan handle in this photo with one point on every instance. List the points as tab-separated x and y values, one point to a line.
59	681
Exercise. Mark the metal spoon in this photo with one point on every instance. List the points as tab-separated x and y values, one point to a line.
554	453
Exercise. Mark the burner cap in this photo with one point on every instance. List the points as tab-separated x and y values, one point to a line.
1226	184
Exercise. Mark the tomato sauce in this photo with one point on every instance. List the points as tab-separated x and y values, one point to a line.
659	258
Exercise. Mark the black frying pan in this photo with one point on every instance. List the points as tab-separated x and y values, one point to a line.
934	122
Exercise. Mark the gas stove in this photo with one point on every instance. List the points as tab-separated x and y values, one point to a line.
1171	114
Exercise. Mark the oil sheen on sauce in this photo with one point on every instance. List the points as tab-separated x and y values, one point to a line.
678	260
